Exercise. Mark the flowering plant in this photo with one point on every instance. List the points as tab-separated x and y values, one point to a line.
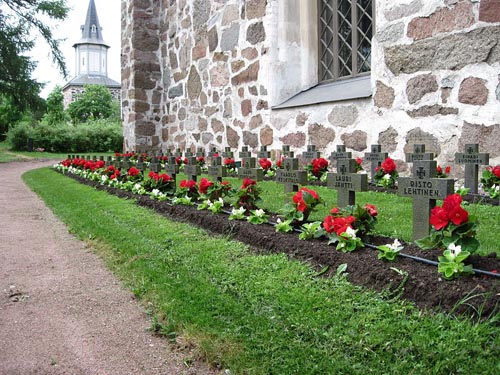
443	174
343	224
303	203
265	164
213	190
390	251
163	182
215	207
386	174
134	175
247	196
257	217
311	230
451	264
451	224
283	226
317	168
491	181
230	165
200	161
358	165
237	214
187	189
179	160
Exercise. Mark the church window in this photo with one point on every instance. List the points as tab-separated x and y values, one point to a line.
94	29
345	33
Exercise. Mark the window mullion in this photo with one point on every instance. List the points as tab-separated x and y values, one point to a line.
354	36
335	20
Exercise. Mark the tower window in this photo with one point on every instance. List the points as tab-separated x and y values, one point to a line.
94	29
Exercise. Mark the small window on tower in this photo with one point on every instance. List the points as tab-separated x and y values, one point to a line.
94	29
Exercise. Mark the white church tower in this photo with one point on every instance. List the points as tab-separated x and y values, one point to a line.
91	60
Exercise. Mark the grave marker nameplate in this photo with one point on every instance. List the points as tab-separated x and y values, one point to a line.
244	153
419	154
472	160
347	182
425	189
340	154
290	175
376	157
263	153
249	169
310	154
217	170
192	170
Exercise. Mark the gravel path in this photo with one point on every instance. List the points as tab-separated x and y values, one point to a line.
61	310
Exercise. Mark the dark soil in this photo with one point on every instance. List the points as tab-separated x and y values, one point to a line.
469	295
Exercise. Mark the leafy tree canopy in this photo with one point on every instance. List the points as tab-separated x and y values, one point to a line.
95	102
55	107
20	22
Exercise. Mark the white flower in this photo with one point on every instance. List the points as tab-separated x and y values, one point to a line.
156	192
351	232
497	188
387	176
238	211
221	201
395	245
104	178
454	249
137	186
259	213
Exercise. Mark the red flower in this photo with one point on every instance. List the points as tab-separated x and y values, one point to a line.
439	169
190	185
204	185
359	161
335	211
300	198
248	182
200	160
265	163
165	178
338	224
114	176
319	166
458	215
439	218
279	163
388	165
229	162
372	210
179	160
496	171
447	170
451	202
151	174
133	171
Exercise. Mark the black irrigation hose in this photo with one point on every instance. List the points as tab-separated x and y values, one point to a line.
418	259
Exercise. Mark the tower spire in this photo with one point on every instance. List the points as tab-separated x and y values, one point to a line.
92	30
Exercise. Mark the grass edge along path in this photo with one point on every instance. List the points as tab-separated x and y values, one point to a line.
263	314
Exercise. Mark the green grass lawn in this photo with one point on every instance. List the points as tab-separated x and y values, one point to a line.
7	155
263	314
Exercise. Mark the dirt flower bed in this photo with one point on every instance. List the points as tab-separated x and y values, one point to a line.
404	278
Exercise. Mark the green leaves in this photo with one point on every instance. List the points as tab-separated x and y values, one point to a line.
451	264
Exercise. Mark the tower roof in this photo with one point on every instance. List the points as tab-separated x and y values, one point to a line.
92	30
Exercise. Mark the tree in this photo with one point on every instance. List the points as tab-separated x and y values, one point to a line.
95	102
55	107
18	20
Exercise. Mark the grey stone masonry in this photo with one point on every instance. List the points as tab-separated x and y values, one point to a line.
425	189
346	181
376	157
290	175
472	160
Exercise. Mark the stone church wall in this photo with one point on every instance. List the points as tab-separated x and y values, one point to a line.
207	73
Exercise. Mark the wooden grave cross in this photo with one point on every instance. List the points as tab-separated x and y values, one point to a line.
425	189
290	175
341	153
376	157
347	182
217	170
472	160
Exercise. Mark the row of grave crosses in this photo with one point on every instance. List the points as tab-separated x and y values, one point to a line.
423	186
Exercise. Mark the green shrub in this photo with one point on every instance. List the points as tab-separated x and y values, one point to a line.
93	136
